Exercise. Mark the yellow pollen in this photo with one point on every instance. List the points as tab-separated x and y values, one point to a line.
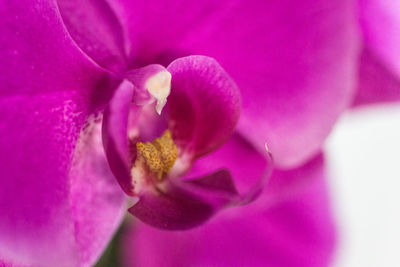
158	156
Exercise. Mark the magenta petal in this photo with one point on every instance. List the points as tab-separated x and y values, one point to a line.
95	28
115	134
380	22
47	88
295	62
295	78
8	264
296	232
204	105
51	186
184	205
156	28
376	82
286	185
379	73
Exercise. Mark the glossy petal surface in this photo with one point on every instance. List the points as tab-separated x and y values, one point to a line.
294	61
46	96
296	232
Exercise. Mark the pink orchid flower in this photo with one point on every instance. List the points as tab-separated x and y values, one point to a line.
74	79
292	224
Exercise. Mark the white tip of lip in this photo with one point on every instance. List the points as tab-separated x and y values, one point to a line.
160	105
266	147
159	86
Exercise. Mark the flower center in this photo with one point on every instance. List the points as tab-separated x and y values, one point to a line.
156	157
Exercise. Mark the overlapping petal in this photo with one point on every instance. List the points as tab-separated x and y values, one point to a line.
295	232
294	62
51	62
95	28
46	97
204	105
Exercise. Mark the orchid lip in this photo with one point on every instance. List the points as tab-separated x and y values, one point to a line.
203	110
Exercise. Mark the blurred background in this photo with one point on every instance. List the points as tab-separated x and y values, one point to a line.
363	160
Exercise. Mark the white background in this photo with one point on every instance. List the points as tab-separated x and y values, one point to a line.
363	159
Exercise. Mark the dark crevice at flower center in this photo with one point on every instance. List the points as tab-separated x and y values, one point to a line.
156	158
